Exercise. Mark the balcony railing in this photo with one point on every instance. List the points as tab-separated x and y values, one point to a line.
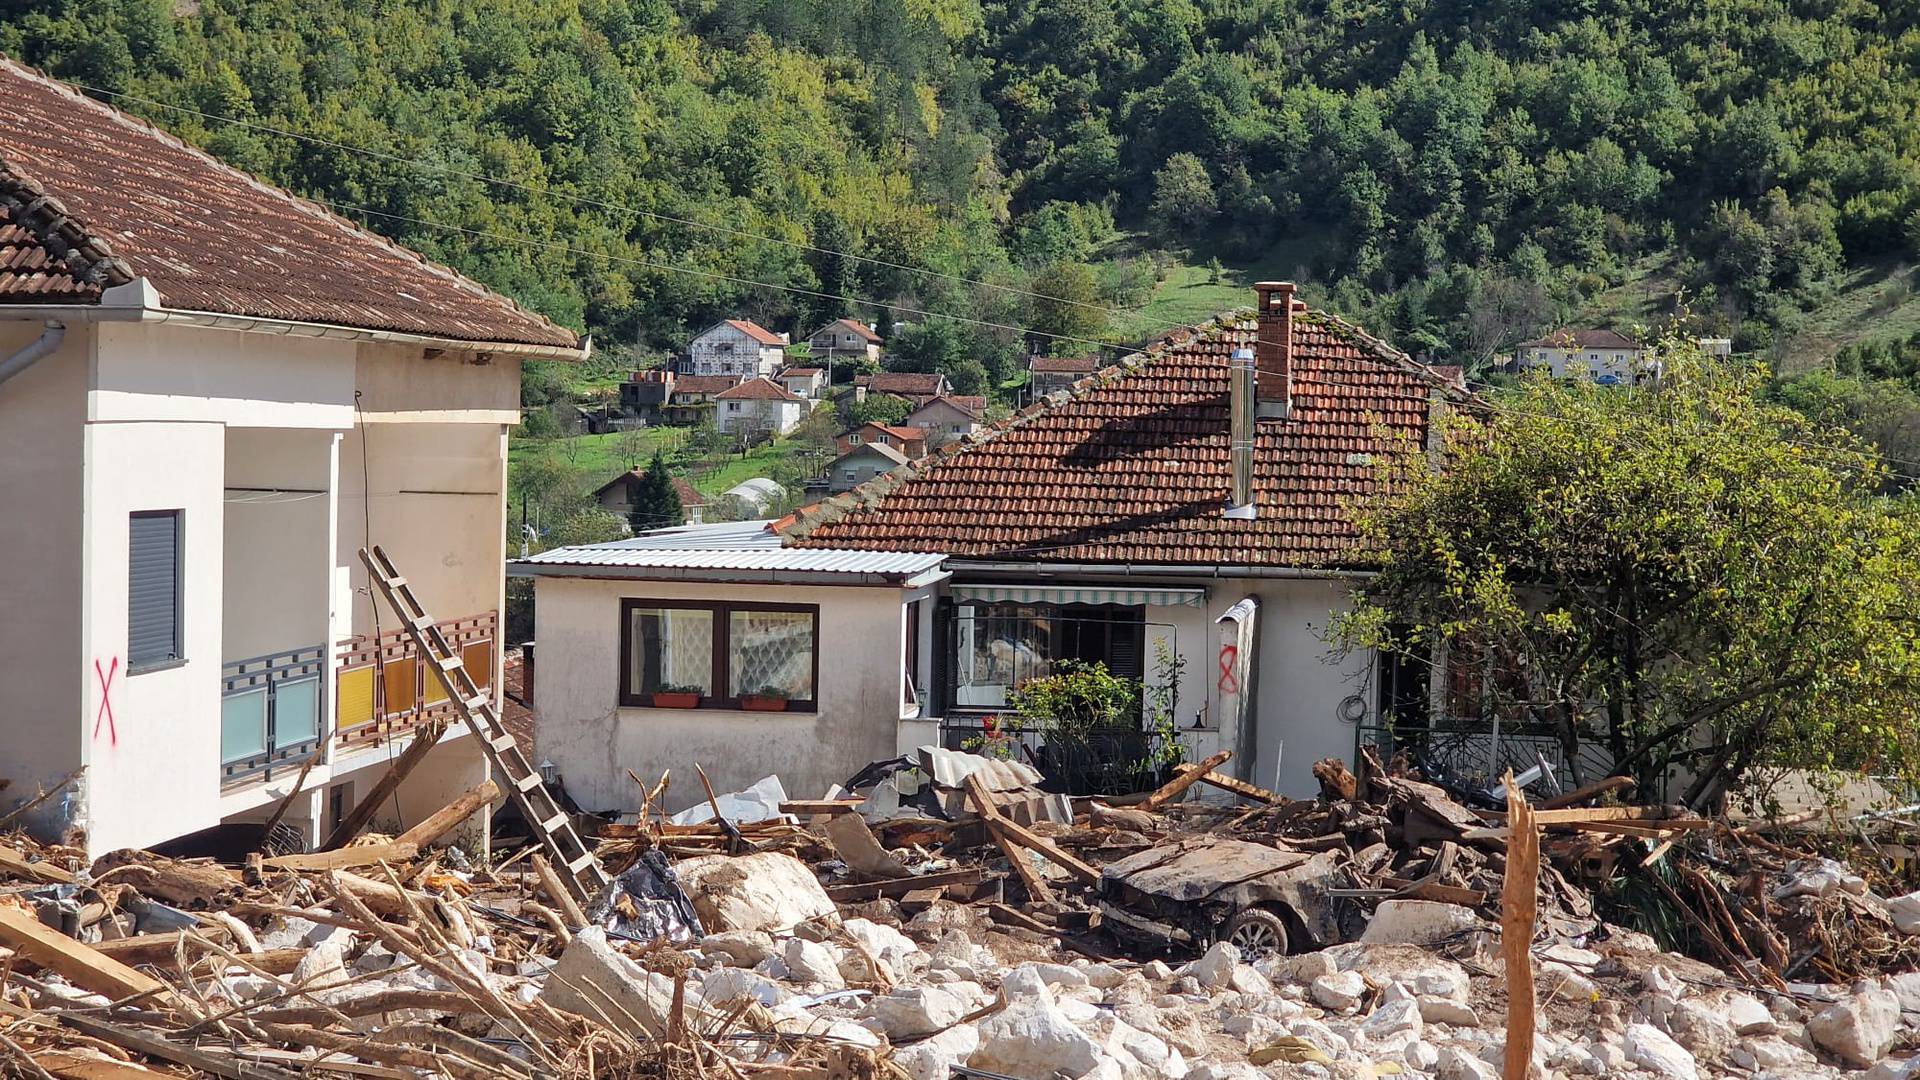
385	689
269	711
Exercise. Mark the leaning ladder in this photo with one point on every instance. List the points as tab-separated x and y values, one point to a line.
580	872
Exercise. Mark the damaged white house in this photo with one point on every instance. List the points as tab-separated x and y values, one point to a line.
1192	502
213	393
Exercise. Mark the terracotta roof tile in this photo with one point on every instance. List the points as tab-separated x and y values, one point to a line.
1132	467
760	389
1064	365
904	383
1582	339
849	325
104	197
704	384
757	332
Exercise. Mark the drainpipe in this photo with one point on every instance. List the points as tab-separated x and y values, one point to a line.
48	341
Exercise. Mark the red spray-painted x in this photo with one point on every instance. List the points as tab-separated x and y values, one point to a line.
1229	682
104	714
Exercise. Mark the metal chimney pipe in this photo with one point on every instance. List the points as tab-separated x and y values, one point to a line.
1241	374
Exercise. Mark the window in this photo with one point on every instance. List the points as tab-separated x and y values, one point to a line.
153	590
719	652
733	406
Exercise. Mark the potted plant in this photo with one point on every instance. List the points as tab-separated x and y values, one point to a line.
673	696
765	699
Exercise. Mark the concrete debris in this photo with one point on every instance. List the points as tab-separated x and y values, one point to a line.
1354	935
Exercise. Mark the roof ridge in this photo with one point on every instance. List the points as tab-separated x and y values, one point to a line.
301	202
64	237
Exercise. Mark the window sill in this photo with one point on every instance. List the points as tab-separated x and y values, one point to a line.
162	665
808	709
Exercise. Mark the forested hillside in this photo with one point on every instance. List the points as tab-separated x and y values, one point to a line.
1458	175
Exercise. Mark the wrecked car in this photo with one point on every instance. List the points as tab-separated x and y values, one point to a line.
1191	894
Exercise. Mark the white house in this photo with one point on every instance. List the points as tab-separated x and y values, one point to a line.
1182	518
211	395
737	347
1602	355
804	382
758	408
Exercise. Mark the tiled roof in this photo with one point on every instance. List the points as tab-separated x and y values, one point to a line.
839	326
904	383
971	403
1582	339
879	448
760	389
901	432
704	384
802	372
1063	365
1133	466
93	197
689	495
757	332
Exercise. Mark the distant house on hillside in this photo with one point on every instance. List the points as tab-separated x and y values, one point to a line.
911	442
737	347
1602	355
212	393
1045	374
758	408
844	339
862	463
619	495
804	382
951	415
690	402
917	387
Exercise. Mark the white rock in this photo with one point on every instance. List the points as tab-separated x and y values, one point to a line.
1247	980
1455	1063
767	890
889	946
741	948
1322	1037
1769	1052
1650	1048
1906	913
1340	991
1390	1020
1060	976
1156	970
1860	1028
734	984
1747	1016
1661	981
1561	982
1908	1069
1305	967
1435	1009
1030	1039
594	981
1104	976
1422	972
1703	1028
1140	1055
1215	969
1224	1070
1420	1055
1610	1055
1253	1029
1906	987
813	964
919	1010
1024	983
1417	922
321	967
934	1058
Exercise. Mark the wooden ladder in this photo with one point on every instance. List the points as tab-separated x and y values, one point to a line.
579	871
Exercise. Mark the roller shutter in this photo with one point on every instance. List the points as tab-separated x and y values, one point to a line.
153	589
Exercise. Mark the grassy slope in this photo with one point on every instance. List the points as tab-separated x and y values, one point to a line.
598	457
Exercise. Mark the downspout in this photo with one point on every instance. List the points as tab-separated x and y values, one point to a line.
34	350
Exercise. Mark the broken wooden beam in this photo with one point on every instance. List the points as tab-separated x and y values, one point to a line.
78	963
449	817
425	737
1228	783
1178	786
873	890
556	889
1591	791
345	858
1036	883
809	807
16	863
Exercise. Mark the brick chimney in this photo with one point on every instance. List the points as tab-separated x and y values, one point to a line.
1273	351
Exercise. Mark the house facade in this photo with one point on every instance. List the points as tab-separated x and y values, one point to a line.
621	495
757	408
950	415
690	402
211	395
917	387
1601	355
910	442
738	347
861	464
1047	374
1188	534
808	383
844	339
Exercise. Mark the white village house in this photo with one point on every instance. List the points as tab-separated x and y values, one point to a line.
1602	355
211	393
1174	505
758	408
736	347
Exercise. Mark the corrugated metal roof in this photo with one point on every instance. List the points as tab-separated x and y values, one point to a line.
748	547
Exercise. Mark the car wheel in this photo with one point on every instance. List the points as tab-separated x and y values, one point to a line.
1257	932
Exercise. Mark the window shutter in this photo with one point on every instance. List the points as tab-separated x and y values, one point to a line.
153	589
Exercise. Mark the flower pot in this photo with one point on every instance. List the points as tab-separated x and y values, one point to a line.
754	703
676	700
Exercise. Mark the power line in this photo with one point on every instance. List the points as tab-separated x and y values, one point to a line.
581	200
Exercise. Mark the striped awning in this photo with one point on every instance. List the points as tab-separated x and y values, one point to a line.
1068	594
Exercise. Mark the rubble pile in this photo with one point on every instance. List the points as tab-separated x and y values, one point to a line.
943	916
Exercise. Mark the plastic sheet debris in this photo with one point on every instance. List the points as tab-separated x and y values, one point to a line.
761	802
646	903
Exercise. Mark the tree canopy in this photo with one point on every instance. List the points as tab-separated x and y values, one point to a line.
1696	579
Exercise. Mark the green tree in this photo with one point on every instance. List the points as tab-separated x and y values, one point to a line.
656	504
1065	307
1183	198
1688	574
